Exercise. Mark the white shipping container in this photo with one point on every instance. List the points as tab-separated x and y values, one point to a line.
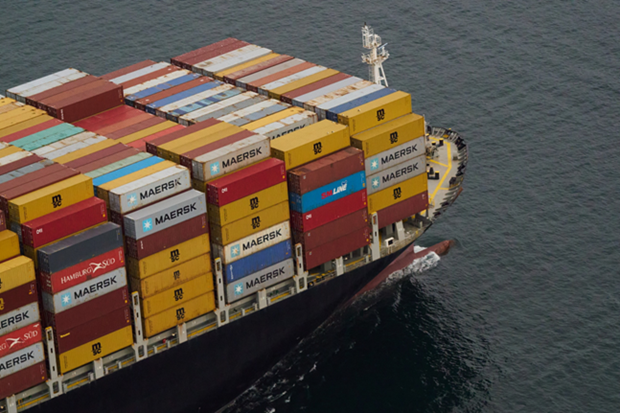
264	89
3	145
394	156
287	125
18	318
205	67
84	292
233	61
267	72
54	83
194	98
262	279
253	243
63	143
154	82
141	72
300	100
76	146
202	114
312	104
21	359
15	91
325	107
231	157
150	189
14	157
396	174
250	109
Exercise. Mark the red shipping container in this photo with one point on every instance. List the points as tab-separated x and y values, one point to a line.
124	121
256	84
23	379
65	222
147	123
39	99
95	156
323	171
106	324
18	297
149	76
151	145
335	229
231	78
141	144
2	221
186	158
214	52
20	163
31	130
69	94
402	210
22	338
288	97
107	118
84	271
88	103
142	103
328	213
127	70
125	153
245	182
161	240
337	248
181	58
88	311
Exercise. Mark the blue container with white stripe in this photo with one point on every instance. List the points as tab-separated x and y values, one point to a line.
182	95
257	261
328	193
332	114
159	88
138	166
205	102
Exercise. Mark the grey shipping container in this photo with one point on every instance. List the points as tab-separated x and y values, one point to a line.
21	359
259	280
21	317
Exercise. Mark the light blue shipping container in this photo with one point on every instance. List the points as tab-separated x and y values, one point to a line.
257	261
328	193
118	165
161	87
125	171
205	102
47	136
332	114
182	95
232	108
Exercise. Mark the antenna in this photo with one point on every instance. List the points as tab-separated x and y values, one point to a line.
375	58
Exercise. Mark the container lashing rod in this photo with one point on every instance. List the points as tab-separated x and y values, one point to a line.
139	345
55	381
222	311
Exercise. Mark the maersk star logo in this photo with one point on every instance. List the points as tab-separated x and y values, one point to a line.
65	300
374	164
132	199
147	225
239	289
375	182
215	167
235	251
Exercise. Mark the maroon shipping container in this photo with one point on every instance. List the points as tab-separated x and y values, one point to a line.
151	146
39	99
123	122
127	70
234	186
210	54
88	311
42	182
335	229
31	130
161	240
67	94
88	103
83	271
20	163
147	123
39	173
231	78
288	97
23	379
323	171
109	117
18	297
2	221
65	222
337	248
178	61
149	76
95	156
142	103
328	213
106	324
19	339
402	210
186	158
255	85
125	153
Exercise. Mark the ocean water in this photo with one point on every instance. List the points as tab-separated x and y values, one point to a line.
522	316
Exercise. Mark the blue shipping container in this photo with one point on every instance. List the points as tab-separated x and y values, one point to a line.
182	95
332	114
231	108
328	193
47	136
257	261
206	102
162	86
125	171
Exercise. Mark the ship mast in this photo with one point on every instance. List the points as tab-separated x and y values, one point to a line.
375	57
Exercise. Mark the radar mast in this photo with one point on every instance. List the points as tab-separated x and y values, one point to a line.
375	58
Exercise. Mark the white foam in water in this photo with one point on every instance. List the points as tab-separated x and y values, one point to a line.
417	266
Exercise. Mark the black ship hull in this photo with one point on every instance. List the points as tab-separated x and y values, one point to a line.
210	371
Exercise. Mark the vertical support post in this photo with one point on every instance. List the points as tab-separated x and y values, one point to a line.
339	266
222	309
261	297
375	247
11	404
54	383
182	332
98	368
139	345
301	277
400	231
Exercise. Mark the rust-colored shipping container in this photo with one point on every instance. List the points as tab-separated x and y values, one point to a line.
147	123
328	213
95	156
127	70
131	119
99	327
108	160
140	144
186	159
162	240
289	96
18	297
231	78
151	145
31	130
82	105
191	61
23	379
402	210
107	118
149	76
32	176
181	59
255	85
38	100
20	163
142	103
323	171
335	229
19	339
337	248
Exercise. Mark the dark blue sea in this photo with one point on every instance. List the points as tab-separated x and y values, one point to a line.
524	314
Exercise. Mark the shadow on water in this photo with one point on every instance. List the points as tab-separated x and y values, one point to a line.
410	328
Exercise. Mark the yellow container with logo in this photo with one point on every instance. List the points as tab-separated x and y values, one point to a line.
169	148
179	294
396	193
80	153
24	125
279	91
96	349
147	132
51	198
179	314
310	143
220	75
390	134
249	205
267	120
249	225
172	277
214	137
9	150
15	272
377	112
9	245
168	258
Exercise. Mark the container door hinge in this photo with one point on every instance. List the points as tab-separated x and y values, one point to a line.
375	247
139	345
54	383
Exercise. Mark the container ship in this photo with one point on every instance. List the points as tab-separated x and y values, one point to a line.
169	231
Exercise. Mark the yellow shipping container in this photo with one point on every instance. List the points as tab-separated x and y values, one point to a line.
96	349
220	75
9	150
19	111
249	205
9	107
172	277
6	101
377	112
310	143
9	245
15	272
170	147
267	120
80	153
11	118
179	314
177	295
103	191
389	135
51	198
279	91
249	225
174	155
147	132
24	125
396	193
168	258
